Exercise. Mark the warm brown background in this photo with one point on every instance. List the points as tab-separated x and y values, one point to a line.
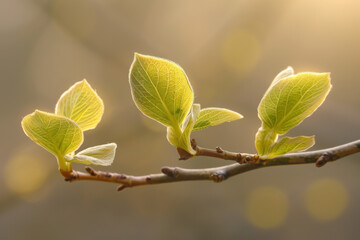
231	50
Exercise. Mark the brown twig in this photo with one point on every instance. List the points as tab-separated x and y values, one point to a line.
175	174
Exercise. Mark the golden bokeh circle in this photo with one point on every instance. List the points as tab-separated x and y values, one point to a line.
267	207
326	199
27	171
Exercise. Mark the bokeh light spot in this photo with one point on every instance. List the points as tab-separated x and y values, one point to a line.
240	51
326	199
267	207
26	172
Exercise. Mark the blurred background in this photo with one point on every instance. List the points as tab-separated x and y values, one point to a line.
231	50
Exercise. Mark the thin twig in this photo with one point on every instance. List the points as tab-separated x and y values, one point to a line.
176	174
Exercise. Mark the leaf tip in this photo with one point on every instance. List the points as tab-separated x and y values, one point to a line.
239	116
84	81
290	69
138	56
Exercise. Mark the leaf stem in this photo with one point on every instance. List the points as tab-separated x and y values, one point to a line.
63	165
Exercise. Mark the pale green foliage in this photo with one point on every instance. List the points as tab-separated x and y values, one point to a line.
215	116
288	101
264	139
81	104
289	145
77	110
292	99
98	155
183	141
162	91
57	134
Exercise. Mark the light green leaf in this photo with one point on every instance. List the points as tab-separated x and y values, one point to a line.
264	139
59	135
160	89
184	142
289	71
292	99
181	138
290	145
99	155
81	104
288	101
215	116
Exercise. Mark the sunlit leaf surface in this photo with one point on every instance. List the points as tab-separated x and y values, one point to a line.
292	99
98	155
160	89
215	116
288	101
81	104
59	135
290	145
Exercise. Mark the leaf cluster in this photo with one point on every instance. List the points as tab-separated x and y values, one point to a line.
162	91
79	109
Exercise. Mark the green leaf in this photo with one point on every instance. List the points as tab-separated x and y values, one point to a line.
291	99
59	135
81	104
290	145
98	155
264	139
288	101
215	116
180	138
289	71
187	128
160	89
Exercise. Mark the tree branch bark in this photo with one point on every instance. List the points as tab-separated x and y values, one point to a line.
218	174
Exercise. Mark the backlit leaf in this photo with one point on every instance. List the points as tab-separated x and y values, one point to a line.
98	155
160	89
184	141
59	135
81	104
264	139
290	145
215	116
288	101
180	138
292	99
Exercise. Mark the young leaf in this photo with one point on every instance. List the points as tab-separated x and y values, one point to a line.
99	155
215	116
264	139
81	104
290	145
184	141
289	71
160	89
290	100
180	138
59	135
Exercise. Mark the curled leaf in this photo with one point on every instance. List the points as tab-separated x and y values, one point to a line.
180	138
98	155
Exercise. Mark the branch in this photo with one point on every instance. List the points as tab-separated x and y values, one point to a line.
176	174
